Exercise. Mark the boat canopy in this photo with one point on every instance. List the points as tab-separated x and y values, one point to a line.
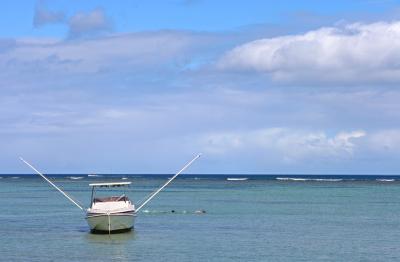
112	184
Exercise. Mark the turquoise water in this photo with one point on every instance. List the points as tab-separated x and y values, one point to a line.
253	220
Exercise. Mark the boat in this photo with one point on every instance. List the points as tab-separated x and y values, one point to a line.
111	214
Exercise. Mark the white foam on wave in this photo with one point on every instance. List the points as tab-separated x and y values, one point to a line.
386	180
237	178
15	177
328	179
290	179
309	179
93	175
75	177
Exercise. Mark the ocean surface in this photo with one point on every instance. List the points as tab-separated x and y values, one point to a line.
263	218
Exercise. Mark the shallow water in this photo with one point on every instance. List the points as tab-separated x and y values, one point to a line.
253	220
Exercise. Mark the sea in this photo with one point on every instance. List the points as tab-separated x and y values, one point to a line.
247	218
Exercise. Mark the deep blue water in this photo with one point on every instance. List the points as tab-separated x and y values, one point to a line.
358	177
266	218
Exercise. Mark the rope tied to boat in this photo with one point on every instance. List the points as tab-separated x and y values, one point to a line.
109	223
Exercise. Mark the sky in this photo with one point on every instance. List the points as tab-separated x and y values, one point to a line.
258	87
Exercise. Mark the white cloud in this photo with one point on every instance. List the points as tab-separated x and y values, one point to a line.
211	122
6	44
352	54
135	93
287	144
123	54
385	141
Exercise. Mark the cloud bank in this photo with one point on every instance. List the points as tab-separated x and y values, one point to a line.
291	145
123	100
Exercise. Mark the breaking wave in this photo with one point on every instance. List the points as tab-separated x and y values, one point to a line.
385	180
309	179
93	175
75	177
237	178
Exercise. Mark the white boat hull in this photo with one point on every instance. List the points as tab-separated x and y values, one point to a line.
112	223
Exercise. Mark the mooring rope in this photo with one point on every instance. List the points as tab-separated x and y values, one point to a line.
109	224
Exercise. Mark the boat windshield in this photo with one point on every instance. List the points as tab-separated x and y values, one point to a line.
106	192
111	199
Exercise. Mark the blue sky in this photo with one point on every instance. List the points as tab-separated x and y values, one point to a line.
257	86
198	15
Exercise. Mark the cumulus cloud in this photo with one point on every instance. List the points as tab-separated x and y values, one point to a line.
93	22
81	24
43	17
350	54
